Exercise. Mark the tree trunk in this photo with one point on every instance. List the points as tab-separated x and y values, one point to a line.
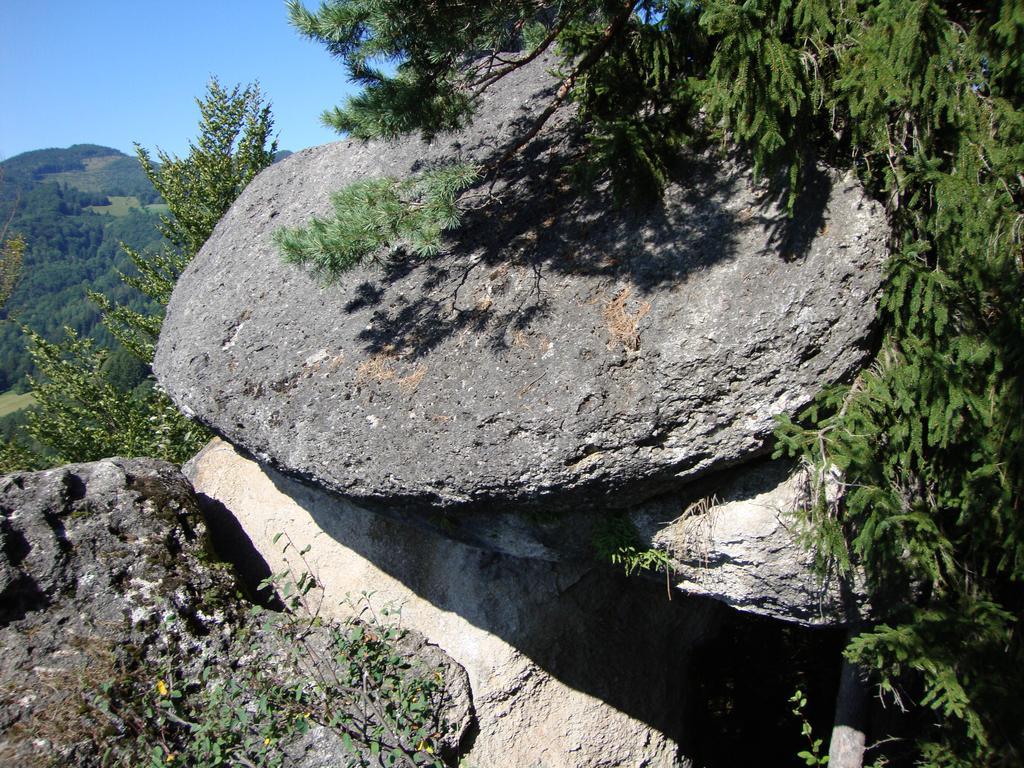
848	732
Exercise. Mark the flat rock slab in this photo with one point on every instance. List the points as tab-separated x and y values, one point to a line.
560	351
570	664
734	537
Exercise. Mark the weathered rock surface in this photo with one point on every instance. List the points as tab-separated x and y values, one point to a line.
104	572
570	664
733	537
739	541
559	352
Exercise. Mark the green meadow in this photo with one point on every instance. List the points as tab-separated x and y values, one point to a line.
120	205
11	402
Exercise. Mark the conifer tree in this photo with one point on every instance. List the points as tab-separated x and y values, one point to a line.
924	101
81	415
234	144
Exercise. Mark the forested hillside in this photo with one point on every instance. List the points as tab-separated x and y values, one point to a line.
73	207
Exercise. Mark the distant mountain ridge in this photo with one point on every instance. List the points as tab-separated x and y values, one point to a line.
74	207
87	167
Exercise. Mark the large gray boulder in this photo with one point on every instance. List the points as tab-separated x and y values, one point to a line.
560	351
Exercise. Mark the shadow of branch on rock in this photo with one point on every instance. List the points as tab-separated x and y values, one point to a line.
540	228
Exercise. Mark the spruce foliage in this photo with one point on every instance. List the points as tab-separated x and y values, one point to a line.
924	101
428	41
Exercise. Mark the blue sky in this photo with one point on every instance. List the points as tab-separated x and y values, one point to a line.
114	72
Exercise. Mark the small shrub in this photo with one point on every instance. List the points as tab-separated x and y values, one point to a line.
812	755
617	541
285	673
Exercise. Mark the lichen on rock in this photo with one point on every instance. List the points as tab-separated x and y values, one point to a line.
123	634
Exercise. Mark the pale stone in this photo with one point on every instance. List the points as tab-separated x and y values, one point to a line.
743	543
569	665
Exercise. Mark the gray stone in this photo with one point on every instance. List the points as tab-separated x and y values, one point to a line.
741	541
559	352
105	574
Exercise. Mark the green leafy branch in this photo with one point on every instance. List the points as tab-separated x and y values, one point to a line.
380	215
812	755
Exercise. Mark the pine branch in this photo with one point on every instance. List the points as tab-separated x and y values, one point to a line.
594	55
484	83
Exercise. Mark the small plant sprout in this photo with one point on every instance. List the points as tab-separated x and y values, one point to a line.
812	755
